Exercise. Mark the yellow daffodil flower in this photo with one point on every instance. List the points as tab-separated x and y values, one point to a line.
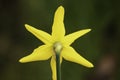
46	51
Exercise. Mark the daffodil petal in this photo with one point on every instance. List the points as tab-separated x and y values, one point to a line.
53	67
70	54
69	39
43	52
41	35
58	29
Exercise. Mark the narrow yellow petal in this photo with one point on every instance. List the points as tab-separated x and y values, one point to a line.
69	39
53	67
58	29
41	35
43	52
70	54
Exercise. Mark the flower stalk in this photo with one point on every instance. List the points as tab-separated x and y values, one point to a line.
58	66
57	50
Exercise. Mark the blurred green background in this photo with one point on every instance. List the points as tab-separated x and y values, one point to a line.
101	46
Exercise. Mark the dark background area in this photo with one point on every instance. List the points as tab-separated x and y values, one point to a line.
101	46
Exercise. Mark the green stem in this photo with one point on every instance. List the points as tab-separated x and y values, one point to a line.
58	66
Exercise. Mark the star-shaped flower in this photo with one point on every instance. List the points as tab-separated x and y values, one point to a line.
46	51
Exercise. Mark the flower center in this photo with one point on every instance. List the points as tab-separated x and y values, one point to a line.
57	47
